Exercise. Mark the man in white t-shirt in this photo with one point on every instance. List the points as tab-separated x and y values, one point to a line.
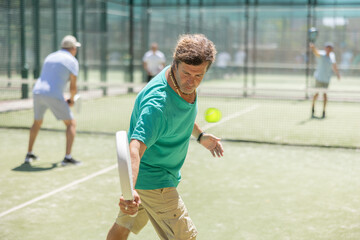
153	61
59	67
326	65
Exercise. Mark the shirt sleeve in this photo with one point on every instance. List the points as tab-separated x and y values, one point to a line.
149	126
73	66
145	57
332	57
321	52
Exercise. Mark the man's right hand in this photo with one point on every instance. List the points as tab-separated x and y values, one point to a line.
70	102
130	207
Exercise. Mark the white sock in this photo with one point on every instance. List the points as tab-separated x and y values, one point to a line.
68	156
30	153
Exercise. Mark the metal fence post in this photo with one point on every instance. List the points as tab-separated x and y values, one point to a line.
246	35
55	25
131	42
104	45
9	40
24	66
36	29
83	42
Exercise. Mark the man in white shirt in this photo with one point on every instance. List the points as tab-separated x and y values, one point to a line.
59	67
326	65
153	61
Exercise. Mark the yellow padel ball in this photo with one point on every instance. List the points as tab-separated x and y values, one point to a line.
212	115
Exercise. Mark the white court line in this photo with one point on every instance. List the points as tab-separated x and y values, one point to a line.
237	114
105	170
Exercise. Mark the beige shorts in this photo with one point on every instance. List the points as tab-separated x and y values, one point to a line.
166	211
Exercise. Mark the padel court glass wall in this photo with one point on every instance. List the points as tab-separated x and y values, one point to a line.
262	49
261	44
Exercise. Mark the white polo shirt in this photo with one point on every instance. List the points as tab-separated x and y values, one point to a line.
155	61
55	74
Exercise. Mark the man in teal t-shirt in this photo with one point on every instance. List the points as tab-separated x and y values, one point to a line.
162	122
165	137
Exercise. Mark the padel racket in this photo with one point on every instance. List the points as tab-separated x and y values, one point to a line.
124	166
312	34
77	101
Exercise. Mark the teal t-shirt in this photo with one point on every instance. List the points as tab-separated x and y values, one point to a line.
163	121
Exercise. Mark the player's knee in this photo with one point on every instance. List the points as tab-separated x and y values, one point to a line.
73	123
37	123
70	123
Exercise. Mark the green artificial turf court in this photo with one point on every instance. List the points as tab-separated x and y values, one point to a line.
257	191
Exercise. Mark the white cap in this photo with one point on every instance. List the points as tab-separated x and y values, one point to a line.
329	44
70	42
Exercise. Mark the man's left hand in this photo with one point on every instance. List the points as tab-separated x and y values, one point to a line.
213	144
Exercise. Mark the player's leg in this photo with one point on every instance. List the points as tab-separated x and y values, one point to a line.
318	84
313	104
117	232
34	130
61	110
70	134
39	111
168	214
33	134
325	102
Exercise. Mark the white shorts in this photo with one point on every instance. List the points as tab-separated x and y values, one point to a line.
60	108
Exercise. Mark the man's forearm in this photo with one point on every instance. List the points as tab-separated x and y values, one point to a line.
73	88
196	131
137	149
135	163
73	92
314	50
336	70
